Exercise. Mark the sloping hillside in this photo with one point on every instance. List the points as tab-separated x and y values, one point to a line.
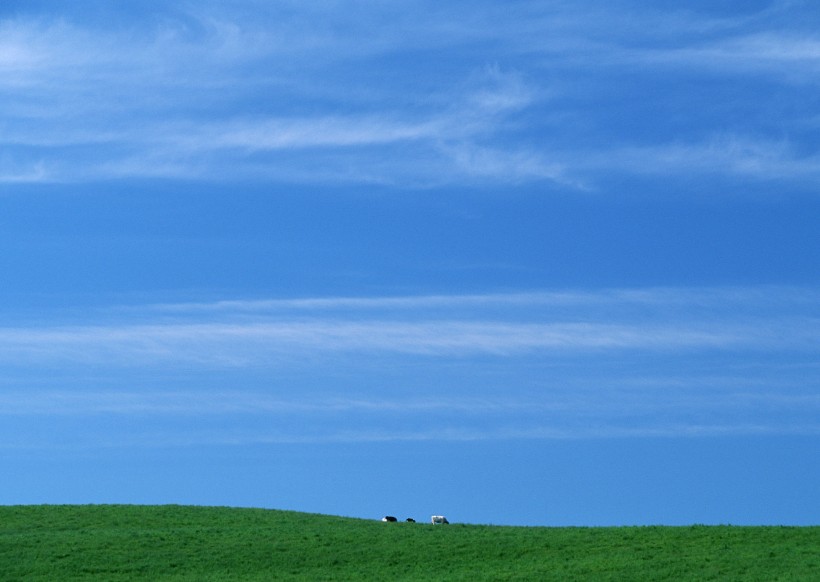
115	543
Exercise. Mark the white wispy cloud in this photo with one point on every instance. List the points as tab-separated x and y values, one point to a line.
238	437
723	154
14	173
245	343
757	297
238	402
129	91
795	57
264	92
607	399
243	333
612	363
441	146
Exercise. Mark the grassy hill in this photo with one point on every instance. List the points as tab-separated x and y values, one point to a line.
158	543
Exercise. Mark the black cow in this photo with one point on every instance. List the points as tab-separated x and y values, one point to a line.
410	520
389	518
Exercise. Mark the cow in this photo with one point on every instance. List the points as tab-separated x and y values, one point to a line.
410	520
389	518
438	520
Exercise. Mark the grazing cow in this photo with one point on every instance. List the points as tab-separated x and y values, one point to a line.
438	520
410	520
389	518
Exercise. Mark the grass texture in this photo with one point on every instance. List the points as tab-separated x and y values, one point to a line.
175	543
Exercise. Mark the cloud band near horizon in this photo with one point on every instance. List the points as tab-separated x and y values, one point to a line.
611	363
240	333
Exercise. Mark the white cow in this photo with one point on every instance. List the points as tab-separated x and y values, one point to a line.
438	520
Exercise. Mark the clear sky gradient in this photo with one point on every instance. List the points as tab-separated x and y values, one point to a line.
537	263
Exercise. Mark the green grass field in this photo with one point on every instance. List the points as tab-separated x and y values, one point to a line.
120	542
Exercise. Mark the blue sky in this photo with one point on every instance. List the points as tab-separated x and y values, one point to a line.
520	263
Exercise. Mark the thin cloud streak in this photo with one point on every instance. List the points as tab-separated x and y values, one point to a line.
245	438
228	403
241	333
723	155
249	343
608	399
796	58
692	297
474	435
